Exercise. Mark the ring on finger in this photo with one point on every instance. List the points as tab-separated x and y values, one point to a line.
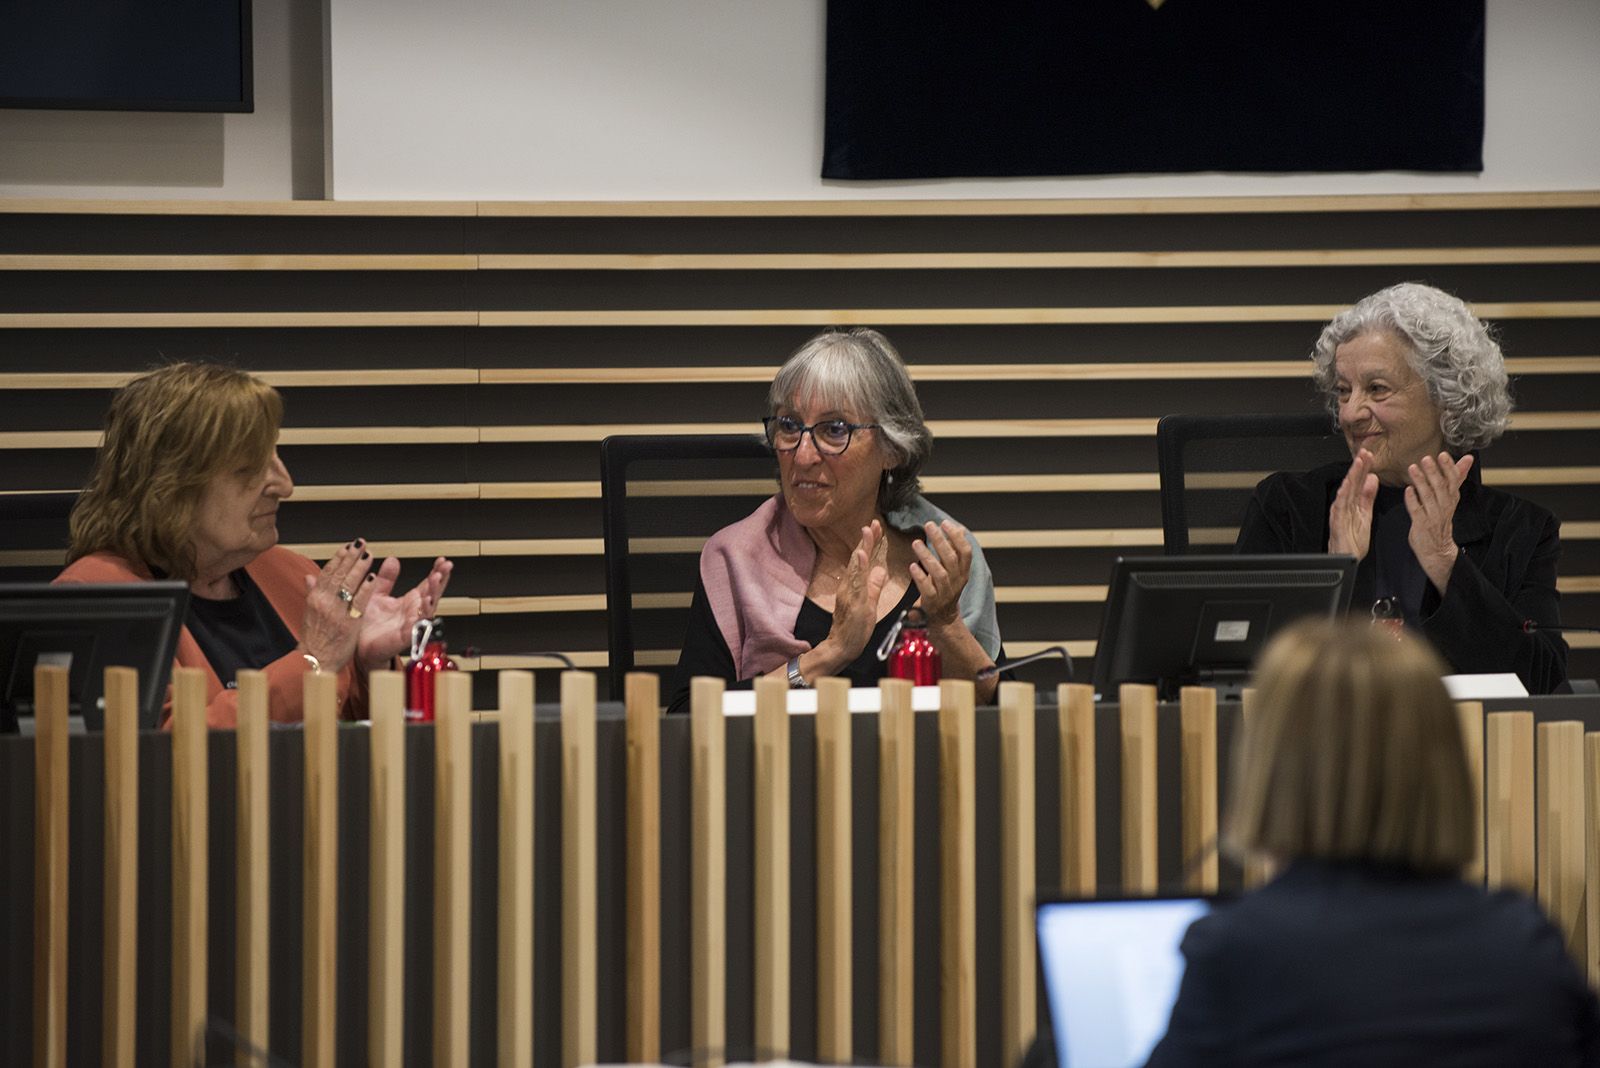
345	595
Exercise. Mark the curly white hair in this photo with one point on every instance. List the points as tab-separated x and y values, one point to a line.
1453	352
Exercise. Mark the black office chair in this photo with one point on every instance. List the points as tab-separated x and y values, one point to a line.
34	530
1209	465
662	496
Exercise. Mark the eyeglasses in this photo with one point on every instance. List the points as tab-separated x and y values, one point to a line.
831	436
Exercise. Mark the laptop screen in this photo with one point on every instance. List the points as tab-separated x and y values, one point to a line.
1111	974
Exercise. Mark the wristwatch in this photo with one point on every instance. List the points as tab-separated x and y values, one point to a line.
797	681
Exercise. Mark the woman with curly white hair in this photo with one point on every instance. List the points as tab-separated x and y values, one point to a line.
1417	386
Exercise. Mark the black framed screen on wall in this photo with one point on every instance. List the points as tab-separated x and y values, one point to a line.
126	55
993	88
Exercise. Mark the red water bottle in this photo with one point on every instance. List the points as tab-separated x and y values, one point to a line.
914	656
427	660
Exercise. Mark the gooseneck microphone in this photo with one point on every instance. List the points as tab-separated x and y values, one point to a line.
1529	626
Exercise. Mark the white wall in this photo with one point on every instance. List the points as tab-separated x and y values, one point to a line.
660	99
274	154
711	99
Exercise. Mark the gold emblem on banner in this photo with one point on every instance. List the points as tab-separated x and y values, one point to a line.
1155	5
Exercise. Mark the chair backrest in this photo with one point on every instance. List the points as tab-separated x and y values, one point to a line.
1209	465
34	531
662	497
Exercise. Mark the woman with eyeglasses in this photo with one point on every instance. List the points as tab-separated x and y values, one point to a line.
810	584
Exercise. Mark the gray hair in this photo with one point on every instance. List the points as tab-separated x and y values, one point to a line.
1451	350
860	370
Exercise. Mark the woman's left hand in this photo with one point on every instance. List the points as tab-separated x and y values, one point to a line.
1431	500
386	626
940	571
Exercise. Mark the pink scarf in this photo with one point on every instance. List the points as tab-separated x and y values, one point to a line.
755	573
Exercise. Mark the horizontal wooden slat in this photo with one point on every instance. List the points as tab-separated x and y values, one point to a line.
1078	206
359	379
990	372
561	602
829	261
1540	476
378	435
544	547
541	491
395	208
50	439
33	558
1225	258
397	491
322	550
859	206
444	262
1111	482
956	428
1219	370
229	320
584	659
1183	313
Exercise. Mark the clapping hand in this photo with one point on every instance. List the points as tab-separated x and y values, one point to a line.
940	571
336	599
855	604
386	627
1431	500
1350	518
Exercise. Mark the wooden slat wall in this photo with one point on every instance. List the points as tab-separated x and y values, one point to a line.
449	369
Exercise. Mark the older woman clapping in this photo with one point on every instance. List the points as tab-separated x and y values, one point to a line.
810	583
186	485
1417	384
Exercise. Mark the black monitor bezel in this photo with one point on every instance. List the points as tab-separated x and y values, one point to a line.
1123	568
85	602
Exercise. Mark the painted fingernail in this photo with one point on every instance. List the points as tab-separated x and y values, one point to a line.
369	578
359	542
366	556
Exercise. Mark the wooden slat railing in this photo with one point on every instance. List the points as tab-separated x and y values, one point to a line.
1530	774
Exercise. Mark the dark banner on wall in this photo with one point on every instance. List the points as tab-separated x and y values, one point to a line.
948	88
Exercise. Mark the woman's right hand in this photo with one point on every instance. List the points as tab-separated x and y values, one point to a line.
1350	518
331	624
855	603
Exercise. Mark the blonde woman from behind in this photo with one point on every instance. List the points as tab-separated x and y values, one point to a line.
1368	948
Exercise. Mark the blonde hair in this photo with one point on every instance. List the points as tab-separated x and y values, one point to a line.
1354	752
168	434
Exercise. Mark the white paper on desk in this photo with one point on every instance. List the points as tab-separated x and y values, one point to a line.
804	702
1480	687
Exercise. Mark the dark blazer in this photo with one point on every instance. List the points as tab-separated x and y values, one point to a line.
1354	964
1505	574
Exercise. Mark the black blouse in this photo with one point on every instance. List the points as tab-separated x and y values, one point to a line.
706	652
243	632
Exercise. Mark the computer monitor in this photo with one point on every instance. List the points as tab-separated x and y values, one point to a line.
1111	968
1177	621
86	628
